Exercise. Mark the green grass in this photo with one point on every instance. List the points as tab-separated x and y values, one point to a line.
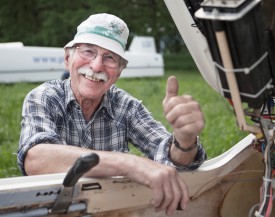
220	133
11	99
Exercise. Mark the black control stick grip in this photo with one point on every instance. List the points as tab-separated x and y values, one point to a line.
82	165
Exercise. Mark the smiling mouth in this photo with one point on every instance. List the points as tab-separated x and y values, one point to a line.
91	78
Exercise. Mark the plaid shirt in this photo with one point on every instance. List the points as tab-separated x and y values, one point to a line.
51	115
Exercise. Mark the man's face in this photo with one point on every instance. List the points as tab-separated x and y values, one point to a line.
93	70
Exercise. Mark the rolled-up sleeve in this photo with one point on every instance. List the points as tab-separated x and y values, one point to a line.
162	156
37	126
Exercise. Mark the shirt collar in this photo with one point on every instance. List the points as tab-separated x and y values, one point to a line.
69	95
107	103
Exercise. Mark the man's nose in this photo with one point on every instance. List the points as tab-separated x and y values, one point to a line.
96	64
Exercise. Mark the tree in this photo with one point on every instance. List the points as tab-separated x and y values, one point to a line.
54	23
19	20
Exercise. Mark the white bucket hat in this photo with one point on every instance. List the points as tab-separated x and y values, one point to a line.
104	30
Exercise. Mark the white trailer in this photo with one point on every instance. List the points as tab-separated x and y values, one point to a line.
19	63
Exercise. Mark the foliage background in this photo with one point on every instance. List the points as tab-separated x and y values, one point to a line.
54	23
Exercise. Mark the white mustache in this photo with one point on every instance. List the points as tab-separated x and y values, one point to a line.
84	70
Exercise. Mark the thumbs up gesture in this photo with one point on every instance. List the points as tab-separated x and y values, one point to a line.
183	113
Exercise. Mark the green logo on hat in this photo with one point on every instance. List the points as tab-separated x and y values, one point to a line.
116	28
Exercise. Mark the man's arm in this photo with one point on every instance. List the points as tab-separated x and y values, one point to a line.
186	118
52	158
168	189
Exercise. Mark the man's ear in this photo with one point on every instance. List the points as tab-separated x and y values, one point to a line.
66	58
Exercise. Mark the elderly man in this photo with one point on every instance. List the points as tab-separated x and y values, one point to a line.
63	120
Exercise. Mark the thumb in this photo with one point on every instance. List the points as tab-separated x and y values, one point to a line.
172	88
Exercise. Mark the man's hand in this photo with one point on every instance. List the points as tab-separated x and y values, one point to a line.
183	113
169	191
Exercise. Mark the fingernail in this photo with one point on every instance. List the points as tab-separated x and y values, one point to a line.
184	206
153	203
169	213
